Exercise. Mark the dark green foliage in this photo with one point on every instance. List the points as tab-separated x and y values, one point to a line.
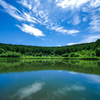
1	50
65	55
10	54
65	51
52	53
96	44
98	52
74	55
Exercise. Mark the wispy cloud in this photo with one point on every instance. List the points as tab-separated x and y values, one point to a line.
11	10
84	19
64	31
29	90
70	3
71	43
90	38
43	39
58	45
95	3
54	15
29	18
87	39
76	20
26	3
31	30
37	14
43	16
95	23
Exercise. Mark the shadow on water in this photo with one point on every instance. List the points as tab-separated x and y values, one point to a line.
21	65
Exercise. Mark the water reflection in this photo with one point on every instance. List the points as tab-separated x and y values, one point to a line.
21	65
49	80
29	90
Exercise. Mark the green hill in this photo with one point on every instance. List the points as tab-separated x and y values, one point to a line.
84	49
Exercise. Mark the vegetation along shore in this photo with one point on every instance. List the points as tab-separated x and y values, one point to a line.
77	51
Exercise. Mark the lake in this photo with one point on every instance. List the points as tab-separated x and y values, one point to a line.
46	79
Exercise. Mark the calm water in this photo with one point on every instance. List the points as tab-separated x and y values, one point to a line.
49	80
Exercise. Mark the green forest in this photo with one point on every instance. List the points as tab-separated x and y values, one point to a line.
78	50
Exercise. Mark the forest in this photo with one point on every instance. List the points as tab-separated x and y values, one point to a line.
78	50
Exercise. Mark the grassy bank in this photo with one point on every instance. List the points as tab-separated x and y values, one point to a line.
55	57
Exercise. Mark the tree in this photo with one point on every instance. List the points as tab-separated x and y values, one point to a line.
1	50
98	52
65	55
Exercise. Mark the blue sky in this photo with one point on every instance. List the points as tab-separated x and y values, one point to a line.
49	22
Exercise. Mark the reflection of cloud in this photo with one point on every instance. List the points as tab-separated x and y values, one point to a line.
94	78
77	88
60	71
27	91
67	89
72	72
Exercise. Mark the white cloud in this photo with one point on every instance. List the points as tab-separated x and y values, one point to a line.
31	30
70	3
95	3
37	14
84	19
73	31
64	31
11	10
90	38
95	23
43	39
93	12
58	45
76	20
36	9
29	18
71	43
26	3
47	14
29	90
87	39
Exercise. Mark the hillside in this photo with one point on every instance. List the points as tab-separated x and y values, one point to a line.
85	49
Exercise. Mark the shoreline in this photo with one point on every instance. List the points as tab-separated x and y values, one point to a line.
67	58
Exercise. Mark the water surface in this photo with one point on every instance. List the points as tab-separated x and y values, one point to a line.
49	80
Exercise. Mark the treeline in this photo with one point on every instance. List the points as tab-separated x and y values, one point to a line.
84	49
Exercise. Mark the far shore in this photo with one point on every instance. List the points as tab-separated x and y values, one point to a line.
49	57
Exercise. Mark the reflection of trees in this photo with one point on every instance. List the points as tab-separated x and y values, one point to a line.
17	65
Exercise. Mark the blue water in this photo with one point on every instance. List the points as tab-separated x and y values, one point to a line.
49	85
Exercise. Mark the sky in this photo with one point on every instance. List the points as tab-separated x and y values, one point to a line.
49	22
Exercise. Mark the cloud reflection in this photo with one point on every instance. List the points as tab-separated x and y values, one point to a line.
65	90
29	90
94	78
